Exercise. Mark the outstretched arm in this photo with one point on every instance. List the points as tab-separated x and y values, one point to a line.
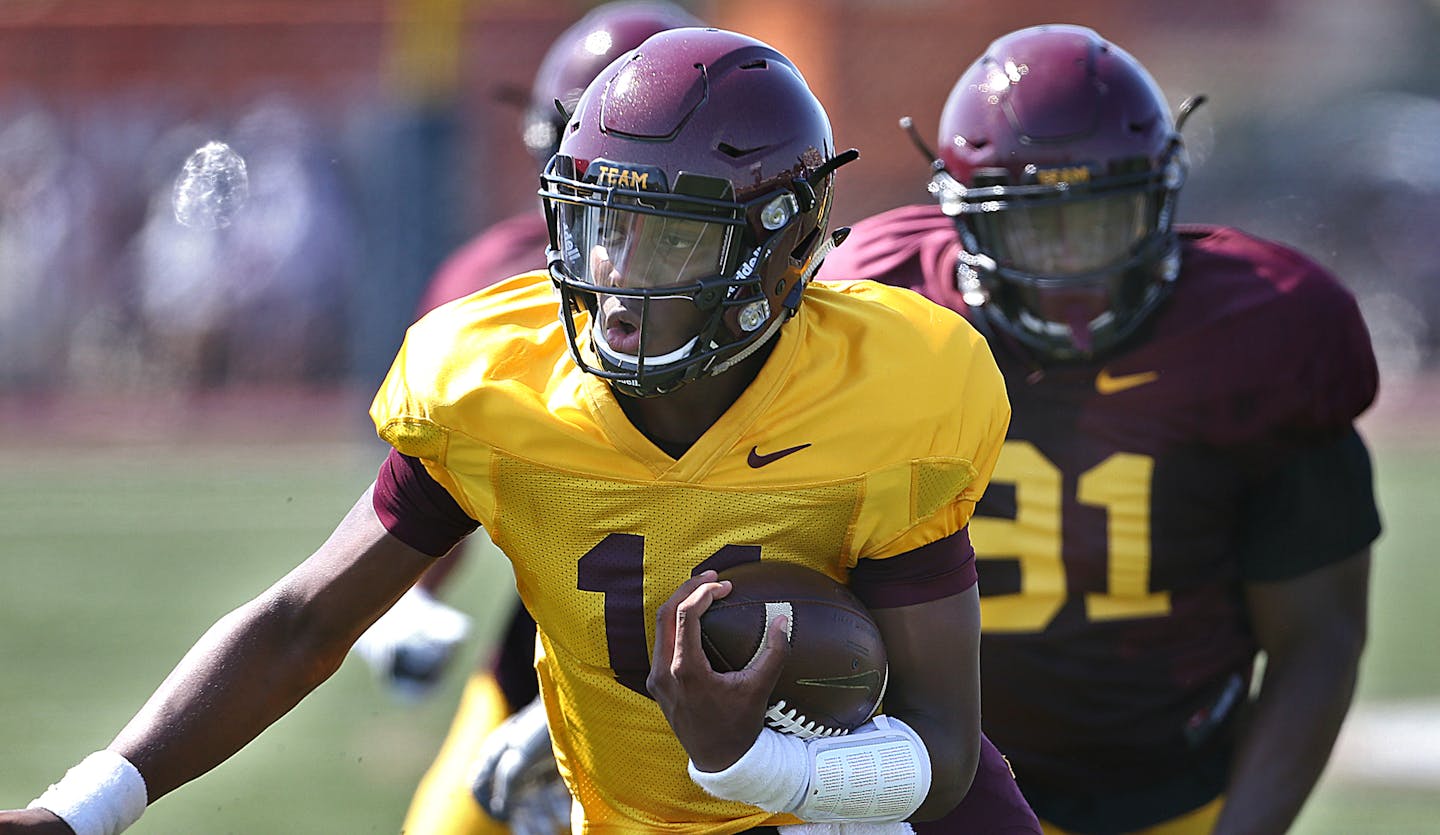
260	660
1312	629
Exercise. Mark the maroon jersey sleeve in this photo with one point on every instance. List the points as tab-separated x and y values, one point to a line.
1296	334
994	804
930	572
513	246
415	509
912	247
1301	369
1316	508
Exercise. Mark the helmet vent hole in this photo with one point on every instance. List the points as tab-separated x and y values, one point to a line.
734	153
758	64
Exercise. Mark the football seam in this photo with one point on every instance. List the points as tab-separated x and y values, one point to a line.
796	724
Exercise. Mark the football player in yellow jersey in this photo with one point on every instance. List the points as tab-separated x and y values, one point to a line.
678	416
477	780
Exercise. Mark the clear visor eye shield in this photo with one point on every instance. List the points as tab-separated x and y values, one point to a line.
1072	226
621	232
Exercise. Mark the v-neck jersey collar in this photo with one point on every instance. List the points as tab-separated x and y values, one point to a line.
723	435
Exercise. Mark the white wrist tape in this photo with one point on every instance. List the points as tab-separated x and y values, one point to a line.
878	772
773	774
102	795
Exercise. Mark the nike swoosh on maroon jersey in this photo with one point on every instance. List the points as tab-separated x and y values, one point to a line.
756	460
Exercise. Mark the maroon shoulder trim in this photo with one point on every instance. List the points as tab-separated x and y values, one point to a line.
415	509
943	568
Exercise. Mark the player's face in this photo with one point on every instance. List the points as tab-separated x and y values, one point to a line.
640	251
649	328
629	250
1071	238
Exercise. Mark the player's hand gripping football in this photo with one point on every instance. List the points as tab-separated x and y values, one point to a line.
516	780
716	716
409	647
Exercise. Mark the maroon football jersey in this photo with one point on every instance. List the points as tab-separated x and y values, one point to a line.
513	246
1120	522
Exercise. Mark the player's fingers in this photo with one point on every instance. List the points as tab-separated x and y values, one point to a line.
665	618
482	784
660	682
689	653
765	667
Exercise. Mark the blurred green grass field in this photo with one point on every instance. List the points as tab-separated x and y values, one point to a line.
115	558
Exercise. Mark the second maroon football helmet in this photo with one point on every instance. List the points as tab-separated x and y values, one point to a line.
579	54
694	176
1062	165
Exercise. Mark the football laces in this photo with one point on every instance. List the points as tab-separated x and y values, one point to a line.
792	721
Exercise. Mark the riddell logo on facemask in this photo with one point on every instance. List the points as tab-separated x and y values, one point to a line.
747	269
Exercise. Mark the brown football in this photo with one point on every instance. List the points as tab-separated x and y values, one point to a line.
835	676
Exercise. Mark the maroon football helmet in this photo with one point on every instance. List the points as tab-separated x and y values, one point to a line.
1061	166
695	175
579	54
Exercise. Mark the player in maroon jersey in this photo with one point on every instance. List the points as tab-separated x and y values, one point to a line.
1182	487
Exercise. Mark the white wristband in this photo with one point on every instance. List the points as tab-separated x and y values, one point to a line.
773	774
102	795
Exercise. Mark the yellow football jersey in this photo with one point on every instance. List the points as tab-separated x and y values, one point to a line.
871	430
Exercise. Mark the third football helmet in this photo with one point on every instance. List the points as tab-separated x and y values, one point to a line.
579	54
695	176
1061	167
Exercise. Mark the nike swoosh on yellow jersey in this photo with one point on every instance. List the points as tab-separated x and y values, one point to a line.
756	460
1106	384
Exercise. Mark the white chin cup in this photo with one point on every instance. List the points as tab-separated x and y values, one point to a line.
597	338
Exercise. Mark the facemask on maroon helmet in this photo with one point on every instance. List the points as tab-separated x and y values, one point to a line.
1061	164
579	54
687	208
